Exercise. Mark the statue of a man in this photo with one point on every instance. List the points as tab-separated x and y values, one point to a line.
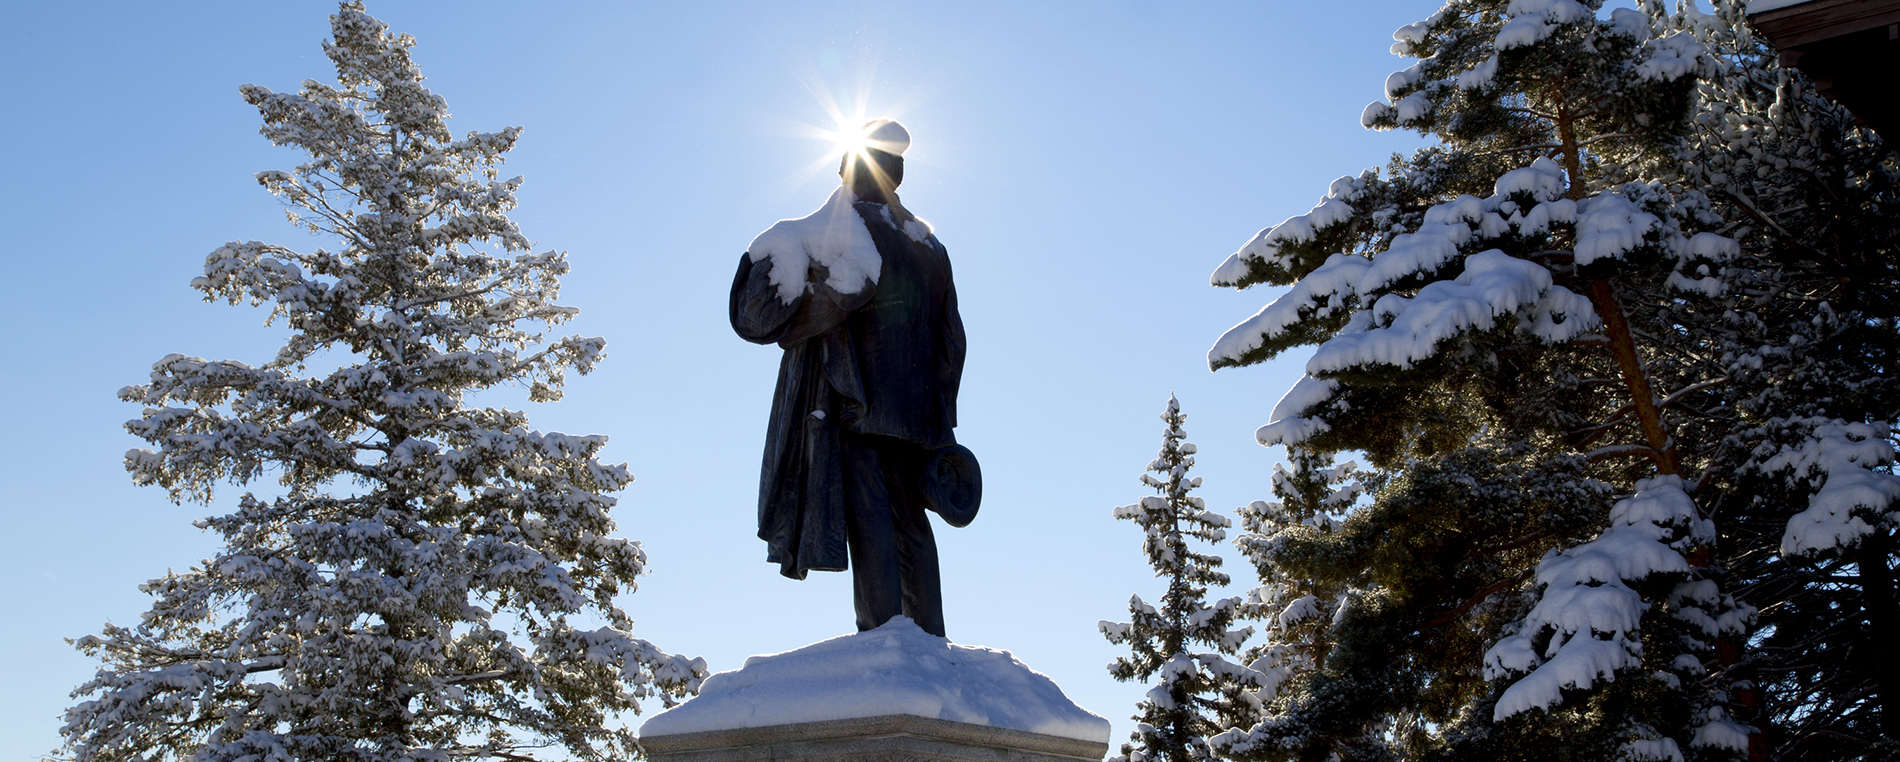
861	437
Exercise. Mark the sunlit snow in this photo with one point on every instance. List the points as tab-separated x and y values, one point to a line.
895	669
834	238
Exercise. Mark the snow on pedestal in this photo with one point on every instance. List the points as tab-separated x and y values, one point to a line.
897	669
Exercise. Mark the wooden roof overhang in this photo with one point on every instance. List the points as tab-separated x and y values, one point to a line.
1850	48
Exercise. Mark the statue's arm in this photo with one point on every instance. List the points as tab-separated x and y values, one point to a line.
760	316
955	345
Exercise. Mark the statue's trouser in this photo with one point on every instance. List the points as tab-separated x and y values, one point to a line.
893	554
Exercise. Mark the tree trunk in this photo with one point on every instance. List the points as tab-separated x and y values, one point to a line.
1635	378
1662	446
1615	324
1883	626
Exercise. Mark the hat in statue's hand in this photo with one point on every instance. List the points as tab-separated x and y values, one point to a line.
953	485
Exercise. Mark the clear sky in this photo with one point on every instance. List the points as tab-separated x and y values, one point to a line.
1086	164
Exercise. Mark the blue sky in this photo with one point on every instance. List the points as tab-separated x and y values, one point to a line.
1086	164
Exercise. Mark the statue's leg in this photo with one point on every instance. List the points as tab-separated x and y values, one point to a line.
923	584
875	571
916	545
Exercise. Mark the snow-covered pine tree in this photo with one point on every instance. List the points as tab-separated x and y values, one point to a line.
1510	325
435	580
1809	350
1197	692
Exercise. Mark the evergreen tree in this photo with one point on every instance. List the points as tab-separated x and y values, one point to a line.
1511	325
1197	692
435	580
1809	350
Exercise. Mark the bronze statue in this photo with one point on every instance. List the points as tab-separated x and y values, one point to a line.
861	439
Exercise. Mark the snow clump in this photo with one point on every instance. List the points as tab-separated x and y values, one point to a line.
1590	613
1493	284
1849	460
833	238
1265	245
1289	425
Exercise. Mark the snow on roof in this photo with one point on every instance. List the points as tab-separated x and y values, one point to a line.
894	669
1764	6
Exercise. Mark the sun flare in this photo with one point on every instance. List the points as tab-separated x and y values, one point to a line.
886	135
851	140
850	117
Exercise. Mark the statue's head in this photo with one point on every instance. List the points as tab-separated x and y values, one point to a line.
875	168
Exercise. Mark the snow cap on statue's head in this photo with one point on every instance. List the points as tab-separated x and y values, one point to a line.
886	135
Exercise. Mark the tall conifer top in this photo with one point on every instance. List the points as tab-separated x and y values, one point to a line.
429	579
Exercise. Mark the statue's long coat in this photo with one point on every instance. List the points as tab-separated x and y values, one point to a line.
886	360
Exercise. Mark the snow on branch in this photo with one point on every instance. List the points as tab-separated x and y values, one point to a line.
1585	627
1405	330
1389	320
1265	247
1848	467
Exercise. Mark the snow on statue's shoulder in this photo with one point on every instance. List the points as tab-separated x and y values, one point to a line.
918	230
894	669
834	237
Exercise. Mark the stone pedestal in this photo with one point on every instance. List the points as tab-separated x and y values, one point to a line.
893	694
890	738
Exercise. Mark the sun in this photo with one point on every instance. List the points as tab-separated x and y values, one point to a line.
884	134
849	132
850	140
848	109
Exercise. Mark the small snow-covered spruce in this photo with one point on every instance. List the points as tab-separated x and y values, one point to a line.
1183	645
434	581
1513	319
